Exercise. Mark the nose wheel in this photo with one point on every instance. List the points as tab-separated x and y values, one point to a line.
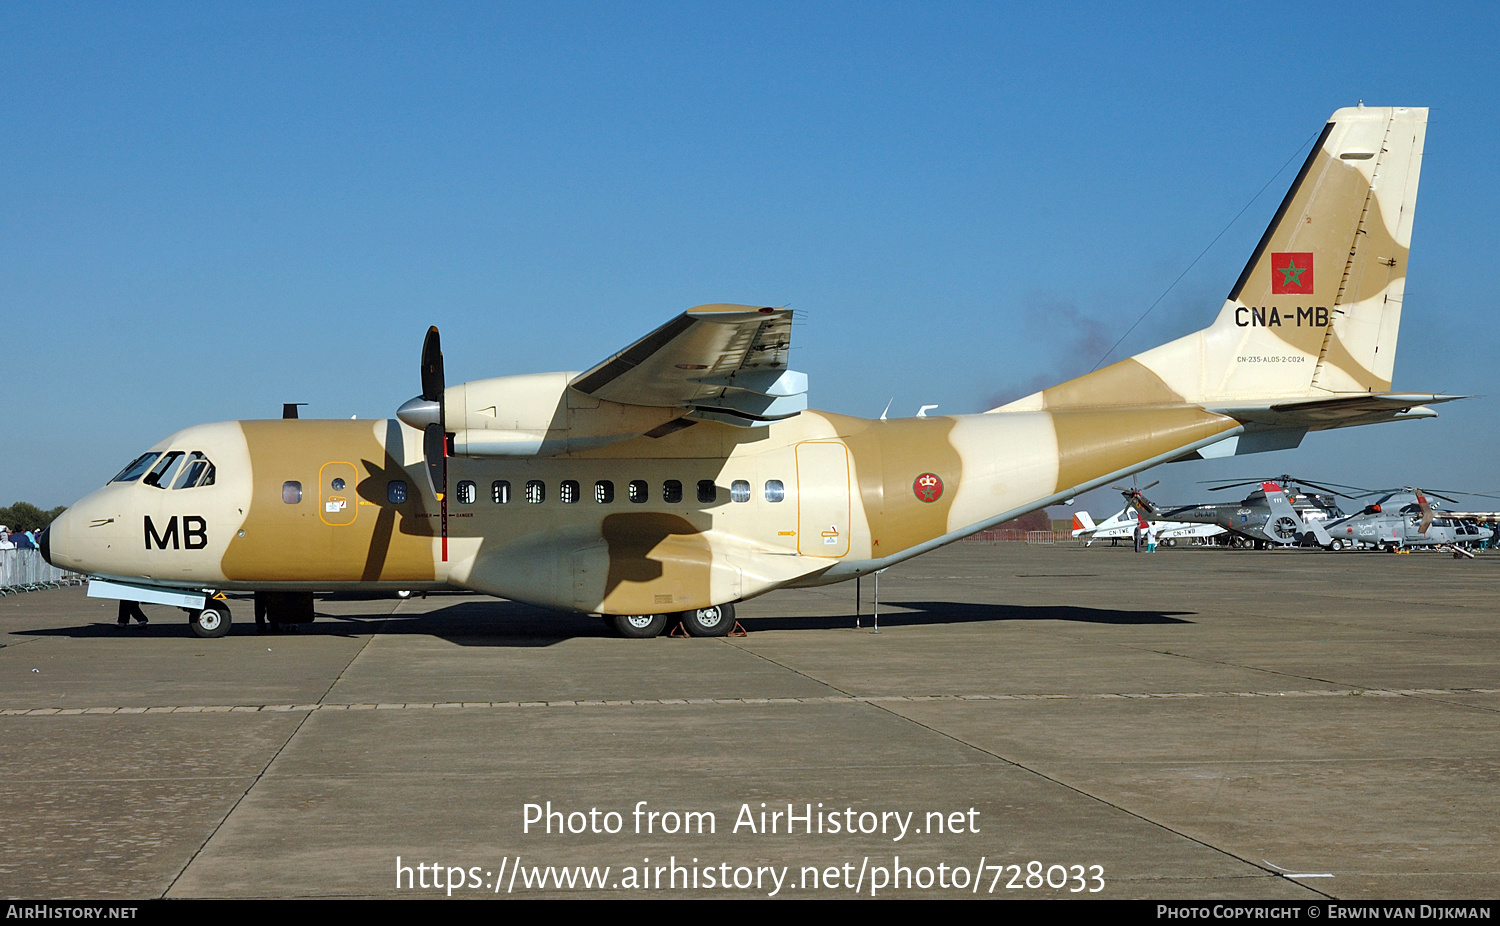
212	621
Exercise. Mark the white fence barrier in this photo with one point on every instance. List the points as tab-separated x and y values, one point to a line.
26	571
1011	535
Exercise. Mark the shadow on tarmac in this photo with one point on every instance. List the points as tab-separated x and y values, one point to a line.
493	622
470	622
927	613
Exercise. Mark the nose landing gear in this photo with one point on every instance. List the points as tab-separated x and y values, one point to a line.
212	621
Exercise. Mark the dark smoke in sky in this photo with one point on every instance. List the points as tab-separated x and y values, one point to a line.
1070	341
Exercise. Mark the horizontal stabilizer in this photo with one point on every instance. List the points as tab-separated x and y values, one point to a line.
1316	414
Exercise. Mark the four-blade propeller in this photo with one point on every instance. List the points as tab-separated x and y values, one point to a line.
426	412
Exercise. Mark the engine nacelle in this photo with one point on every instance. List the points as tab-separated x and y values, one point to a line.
538	414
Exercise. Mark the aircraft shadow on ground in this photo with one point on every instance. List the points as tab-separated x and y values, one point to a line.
493	622
484	622
932	613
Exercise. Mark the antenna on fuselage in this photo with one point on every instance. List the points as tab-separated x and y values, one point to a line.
289	409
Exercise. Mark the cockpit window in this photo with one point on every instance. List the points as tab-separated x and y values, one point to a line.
133	472
197	471
161	474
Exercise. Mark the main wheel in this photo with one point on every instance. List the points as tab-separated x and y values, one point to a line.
212	621
639	626
1336	545
709	622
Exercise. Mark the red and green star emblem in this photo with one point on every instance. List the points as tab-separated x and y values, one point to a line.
1292	273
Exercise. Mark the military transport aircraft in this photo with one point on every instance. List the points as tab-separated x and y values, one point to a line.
686	473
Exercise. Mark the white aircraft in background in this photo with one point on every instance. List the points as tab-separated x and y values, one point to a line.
1123	523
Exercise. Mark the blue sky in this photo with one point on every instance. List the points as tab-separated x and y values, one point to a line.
209	209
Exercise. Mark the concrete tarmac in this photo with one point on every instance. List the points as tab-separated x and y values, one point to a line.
1193	724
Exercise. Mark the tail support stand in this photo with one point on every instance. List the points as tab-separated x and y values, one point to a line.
858	602
875	620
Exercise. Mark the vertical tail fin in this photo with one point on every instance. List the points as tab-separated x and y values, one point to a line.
1325	283
1316	311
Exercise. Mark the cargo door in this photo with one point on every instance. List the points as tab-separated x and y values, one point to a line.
823	502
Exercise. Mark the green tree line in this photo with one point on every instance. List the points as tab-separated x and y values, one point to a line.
24	516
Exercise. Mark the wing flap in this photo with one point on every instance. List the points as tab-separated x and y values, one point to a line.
721	362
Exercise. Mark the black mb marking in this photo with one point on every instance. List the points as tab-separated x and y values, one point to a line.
194	533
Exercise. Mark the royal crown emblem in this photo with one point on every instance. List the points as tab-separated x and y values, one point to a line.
928	487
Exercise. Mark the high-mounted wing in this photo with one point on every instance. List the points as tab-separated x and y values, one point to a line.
723	362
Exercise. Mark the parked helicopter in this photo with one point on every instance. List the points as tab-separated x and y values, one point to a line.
1276	513
1400	518
1392	523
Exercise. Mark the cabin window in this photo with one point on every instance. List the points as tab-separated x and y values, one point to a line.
133	472
395	491
604	491
739	491
775	491
708	493
466	492
671	491
291	492
536	491
500	492
567	491
638	491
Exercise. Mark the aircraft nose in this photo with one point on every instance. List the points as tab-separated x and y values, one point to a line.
54	540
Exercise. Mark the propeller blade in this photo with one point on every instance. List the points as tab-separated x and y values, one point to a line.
435	448
421	412
432	366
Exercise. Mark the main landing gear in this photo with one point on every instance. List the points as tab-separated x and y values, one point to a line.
717	621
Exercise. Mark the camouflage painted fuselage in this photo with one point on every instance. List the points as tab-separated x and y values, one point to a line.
850	503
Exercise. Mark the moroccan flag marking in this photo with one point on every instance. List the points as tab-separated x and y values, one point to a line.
1292	273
